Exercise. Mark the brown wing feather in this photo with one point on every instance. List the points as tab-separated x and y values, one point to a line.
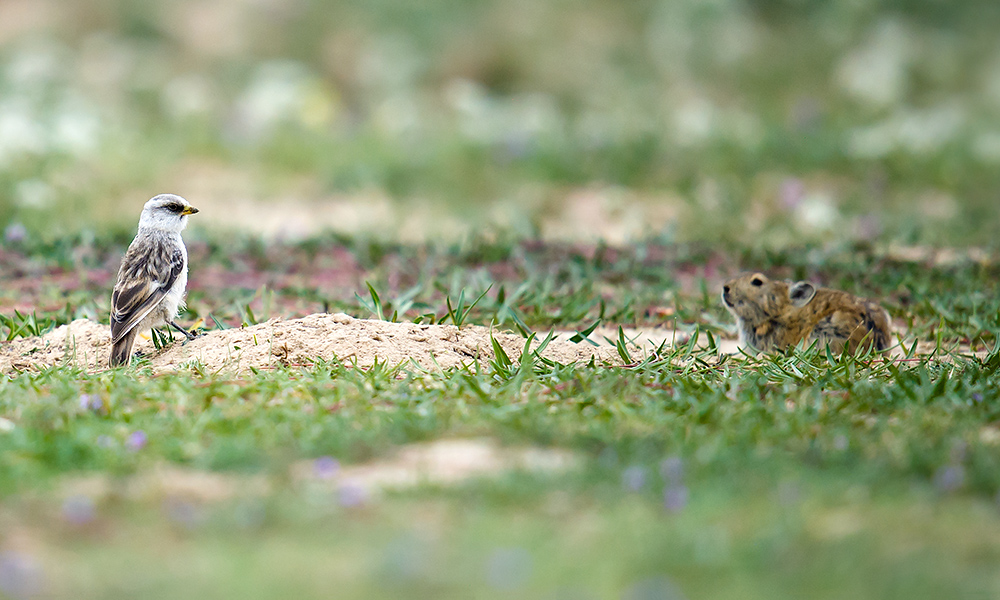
146	275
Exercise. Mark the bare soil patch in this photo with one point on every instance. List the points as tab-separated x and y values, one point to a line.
441	462
296	342
361	342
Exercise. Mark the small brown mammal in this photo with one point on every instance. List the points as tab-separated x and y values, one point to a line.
774	315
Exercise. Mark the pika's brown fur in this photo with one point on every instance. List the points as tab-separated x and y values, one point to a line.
774	315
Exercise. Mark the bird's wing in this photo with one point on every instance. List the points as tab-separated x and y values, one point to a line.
148	271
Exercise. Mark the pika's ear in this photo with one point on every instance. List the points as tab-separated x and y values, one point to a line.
801	293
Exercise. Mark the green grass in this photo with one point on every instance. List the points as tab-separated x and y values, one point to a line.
789	475
797	470
517	284
517	538
803	475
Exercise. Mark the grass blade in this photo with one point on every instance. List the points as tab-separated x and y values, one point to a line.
583	335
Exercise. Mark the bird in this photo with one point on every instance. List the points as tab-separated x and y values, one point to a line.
152	279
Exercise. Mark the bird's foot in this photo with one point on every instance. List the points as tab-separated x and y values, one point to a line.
190	335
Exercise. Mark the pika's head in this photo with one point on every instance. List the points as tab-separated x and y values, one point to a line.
755	298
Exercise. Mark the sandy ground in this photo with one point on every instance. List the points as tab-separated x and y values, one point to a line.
299	342
296	342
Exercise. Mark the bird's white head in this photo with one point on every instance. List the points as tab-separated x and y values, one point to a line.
166	212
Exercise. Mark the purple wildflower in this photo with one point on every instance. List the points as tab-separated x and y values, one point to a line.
949	478
20	575
792	192
675	497
634	479
352	494
977	397
91	402
15	233
136	440
326	467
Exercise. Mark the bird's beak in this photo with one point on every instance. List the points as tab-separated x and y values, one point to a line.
189	210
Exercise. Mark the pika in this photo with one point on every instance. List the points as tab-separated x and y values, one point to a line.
774	315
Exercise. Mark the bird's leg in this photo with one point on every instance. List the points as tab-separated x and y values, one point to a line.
188	334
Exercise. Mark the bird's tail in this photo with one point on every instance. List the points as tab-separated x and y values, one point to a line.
121	352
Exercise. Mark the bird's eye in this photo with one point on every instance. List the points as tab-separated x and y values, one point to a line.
174	207
756	282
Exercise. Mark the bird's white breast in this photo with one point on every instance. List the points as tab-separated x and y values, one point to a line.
173	300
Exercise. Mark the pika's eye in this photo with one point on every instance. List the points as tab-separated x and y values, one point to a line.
756	281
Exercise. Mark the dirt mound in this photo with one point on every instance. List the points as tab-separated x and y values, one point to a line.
296	342
299	342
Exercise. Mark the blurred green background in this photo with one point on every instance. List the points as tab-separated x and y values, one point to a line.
766	122
856	129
